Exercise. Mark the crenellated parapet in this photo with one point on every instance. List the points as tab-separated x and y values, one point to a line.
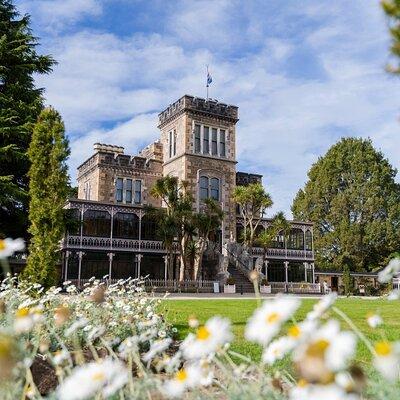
199	106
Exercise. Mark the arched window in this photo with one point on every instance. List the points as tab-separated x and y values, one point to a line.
214	188
126	226
308	240
209	188
204	183
296	239
96	223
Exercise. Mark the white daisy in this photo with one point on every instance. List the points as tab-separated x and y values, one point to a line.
374	320
387	359
322	306
9	246
214	334
191	376
319	392
277	349
104	377
156	347
266	321
324	353
389	271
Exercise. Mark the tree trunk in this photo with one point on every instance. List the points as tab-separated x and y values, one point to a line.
199	257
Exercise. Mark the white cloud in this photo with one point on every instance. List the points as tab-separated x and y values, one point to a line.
286	121
54	15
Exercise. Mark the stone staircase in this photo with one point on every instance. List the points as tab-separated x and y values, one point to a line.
242	282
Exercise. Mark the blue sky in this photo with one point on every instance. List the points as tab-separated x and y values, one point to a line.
303	73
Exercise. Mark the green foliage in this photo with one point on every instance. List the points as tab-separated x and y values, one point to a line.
48	191
191	229
20	105
253	201
392	10
354	202
347	280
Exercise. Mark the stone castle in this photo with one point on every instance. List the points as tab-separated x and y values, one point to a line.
197	144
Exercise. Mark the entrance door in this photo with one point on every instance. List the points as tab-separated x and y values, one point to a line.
334	283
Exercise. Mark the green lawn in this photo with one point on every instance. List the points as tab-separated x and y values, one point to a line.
238	311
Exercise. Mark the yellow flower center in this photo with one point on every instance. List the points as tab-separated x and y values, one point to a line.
272	318
203	333
317	349
302	383
98	376
2	244
294	331
5	346
181	375
22	312
383	348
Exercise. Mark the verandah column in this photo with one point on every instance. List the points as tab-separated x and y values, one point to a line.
305	271
66	258
80	256
266	269
286	271
165	267
110	262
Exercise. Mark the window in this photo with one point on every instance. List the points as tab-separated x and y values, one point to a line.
308	240
174	147
214	142
87	190
96	223
128	191
222	143
119	190
203	187
138	192
126	226
197	143
214	186
170	144
209	188
206	140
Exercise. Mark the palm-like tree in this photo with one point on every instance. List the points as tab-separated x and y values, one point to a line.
278	226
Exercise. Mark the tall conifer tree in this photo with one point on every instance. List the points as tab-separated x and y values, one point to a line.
48	191
20	105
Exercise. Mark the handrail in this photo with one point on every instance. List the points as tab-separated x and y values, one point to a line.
241	266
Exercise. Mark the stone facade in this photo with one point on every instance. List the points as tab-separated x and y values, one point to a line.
174	154
97	176
180	122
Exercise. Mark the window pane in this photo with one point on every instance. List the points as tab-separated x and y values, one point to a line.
214	142
197	138
215	188
119	189
203	193
96	223
128	194
222	143
206	140
170	144
174	152
138	192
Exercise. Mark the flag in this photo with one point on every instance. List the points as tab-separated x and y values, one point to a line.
209	79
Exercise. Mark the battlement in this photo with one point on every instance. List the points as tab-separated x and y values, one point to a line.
208	107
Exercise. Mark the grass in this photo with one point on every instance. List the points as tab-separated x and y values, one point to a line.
238	311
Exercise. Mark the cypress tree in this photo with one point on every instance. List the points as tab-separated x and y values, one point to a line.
48	191
20	105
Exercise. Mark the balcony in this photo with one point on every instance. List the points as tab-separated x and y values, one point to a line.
300	255
76	242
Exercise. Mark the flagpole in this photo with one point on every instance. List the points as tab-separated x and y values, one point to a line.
207	81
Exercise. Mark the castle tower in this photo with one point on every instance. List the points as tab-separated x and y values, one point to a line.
198	138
